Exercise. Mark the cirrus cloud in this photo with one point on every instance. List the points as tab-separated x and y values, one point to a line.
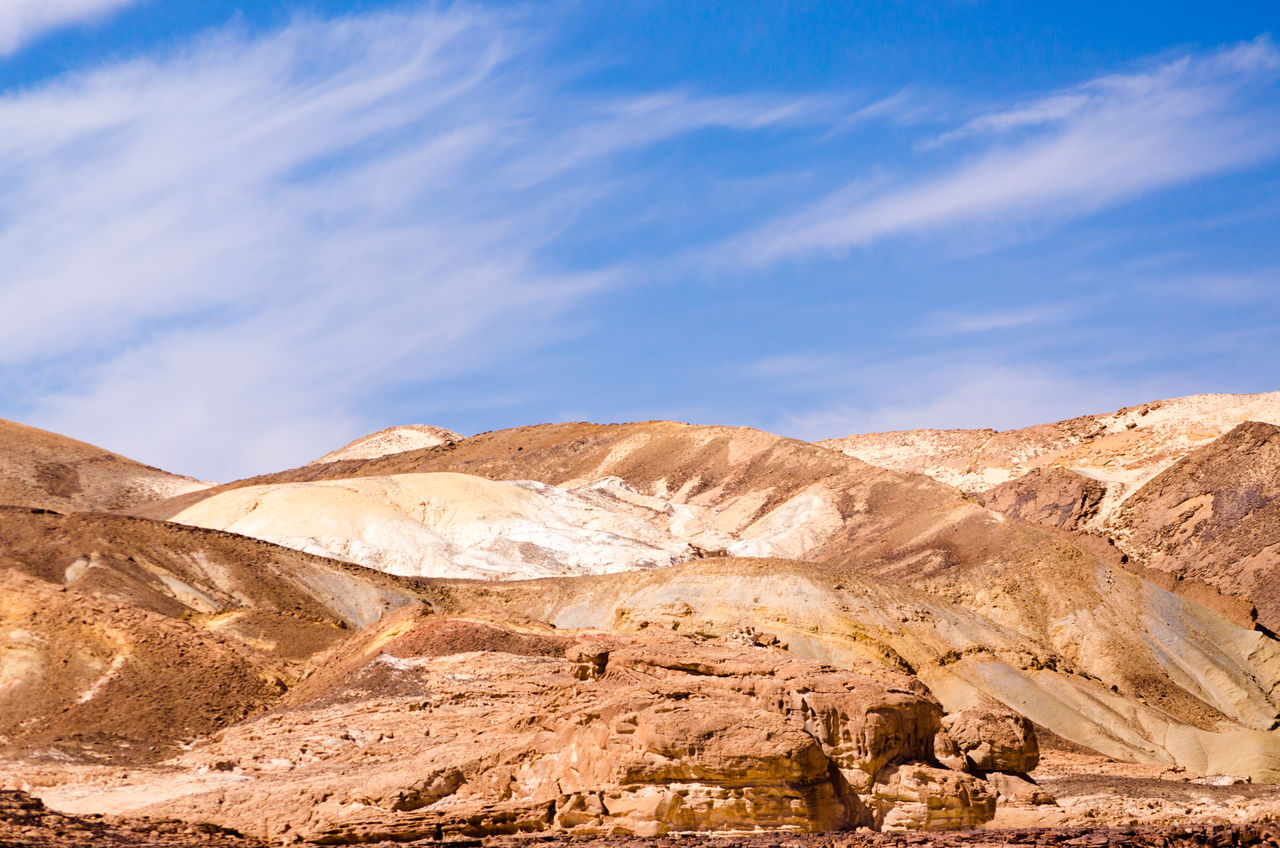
24	21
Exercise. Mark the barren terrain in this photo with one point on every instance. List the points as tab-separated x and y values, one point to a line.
615	632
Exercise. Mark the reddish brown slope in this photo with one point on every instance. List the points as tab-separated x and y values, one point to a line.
1049	497
85	677
1215	517
120	637
43	469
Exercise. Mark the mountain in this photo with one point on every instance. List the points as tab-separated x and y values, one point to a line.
43	469
391	440
1122	449
1134	479
727	630
994	611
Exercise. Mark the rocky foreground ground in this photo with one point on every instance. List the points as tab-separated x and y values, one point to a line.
26	823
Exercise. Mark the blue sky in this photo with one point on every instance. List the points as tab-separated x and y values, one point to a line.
234	236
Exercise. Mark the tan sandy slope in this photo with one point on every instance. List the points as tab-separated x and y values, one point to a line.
121	637
43	469
1062	682
446	524
391	440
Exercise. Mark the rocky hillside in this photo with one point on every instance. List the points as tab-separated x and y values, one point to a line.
124	638
1123	449
984	609
729	630
1181	489
462	726
1214	517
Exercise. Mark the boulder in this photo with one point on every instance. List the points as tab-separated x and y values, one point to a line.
1017	789
919	797
994	741
948	753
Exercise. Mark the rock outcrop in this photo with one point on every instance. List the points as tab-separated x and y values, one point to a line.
588	733
1091	627
994	741
25	822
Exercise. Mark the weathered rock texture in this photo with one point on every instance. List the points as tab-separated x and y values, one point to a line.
994	741
409	731
25	822
1214	517
968	660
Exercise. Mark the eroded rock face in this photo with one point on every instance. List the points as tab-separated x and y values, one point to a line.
918	797
1017	789
1051	497
639	734
992	741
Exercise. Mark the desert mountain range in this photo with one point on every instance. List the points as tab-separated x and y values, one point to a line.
654	627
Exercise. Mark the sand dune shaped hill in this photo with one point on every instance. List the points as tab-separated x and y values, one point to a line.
445	524
399	439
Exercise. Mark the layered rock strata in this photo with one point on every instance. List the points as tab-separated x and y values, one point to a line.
401	736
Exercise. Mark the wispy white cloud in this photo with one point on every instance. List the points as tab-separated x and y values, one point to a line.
1065	155
23	21
947	323
214	258
219	258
